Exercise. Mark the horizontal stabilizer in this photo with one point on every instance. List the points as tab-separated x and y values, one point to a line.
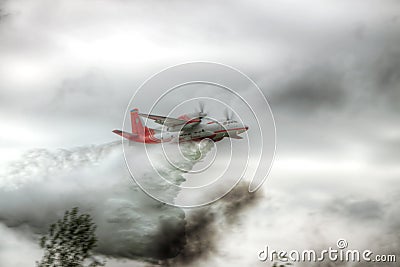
126	135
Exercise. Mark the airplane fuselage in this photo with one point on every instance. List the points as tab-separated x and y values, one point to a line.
213	130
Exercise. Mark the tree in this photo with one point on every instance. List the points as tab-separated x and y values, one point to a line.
69	242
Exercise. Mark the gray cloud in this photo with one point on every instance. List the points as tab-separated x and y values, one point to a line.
312	89
362	210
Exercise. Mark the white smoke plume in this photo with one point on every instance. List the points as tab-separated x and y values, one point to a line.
36	190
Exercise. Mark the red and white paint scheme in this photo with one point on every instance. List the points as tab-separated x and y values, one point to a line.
189	127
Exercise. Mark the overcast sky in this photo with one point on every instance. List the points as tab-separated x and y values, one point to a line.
329	69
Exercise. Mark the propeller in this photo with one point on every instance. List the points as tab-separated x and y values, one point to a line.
229	115
202	114
201	106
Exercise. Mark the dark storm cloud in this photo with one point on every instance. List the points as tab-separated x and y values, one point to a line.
3	15
388	75
318	87
386	71
324	58
362	210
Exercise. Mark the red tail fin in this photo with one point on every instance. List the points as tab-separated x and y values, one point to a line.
139	131
138	125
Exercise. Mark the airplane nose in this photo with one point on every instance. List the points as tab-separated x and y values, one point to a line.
246	127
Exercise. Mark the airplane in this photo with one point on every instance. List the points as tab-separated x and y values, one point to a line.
189	127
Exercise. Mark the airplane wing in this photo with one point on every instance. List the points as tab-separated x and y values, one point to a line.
163	120
172	123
